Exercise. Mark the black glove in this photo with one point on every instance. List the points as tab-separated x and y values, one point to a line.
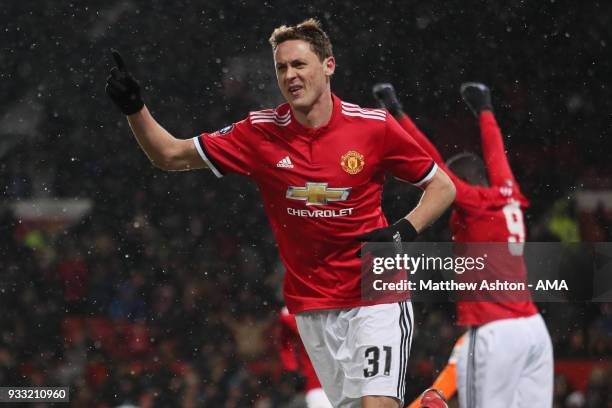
122	88
385	96
401	231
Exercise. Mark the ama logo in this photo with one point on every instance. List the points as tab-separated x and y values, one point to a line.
552	285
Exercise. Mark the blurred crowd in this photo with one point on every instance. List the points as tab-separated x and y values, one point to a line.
128	315
166	293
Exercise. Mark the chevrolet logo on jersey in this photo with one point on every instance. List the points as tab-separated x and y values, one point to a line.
317	193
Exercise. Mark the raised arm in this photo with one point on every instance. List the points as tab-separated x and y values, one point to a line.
164	150
385	96
493	150
409	126
478	98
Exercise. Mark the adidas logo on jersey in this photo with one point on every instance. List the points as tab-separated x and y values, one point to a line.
285	163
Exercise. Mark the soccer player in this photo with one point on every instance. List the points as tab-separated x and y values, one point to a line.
319	163
508	361
294	358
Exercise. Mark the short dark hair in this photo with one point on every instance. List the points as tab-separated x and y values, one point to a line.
469	167
308	30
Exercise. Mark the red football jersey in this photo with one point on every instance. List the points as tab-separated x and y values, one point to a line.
488	214
292	352
321	188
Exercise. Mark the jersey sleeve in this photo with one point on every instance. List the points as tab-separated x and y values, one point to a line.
409	126
465	192
403	157
495	158
228	150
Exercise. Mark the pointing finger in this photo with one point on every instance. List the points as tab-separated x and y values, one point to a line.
118	60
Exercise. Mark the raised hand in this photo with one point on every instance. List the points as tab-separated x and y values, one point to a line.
122	88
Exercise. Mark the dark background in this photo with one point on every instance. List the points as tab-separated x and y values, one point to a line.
188	259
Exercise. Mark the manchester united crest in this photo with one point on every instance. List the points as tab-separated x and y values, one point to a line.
352	162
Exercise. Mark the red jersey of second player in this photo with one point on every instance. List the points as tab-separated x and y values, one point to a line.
321	188
489	215
493	215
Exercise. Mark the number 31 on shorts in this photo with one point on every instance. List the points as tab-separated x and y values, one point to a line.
372	355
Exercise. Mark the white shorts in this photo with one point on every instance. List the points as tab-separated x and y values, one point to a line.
359	351
505	364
